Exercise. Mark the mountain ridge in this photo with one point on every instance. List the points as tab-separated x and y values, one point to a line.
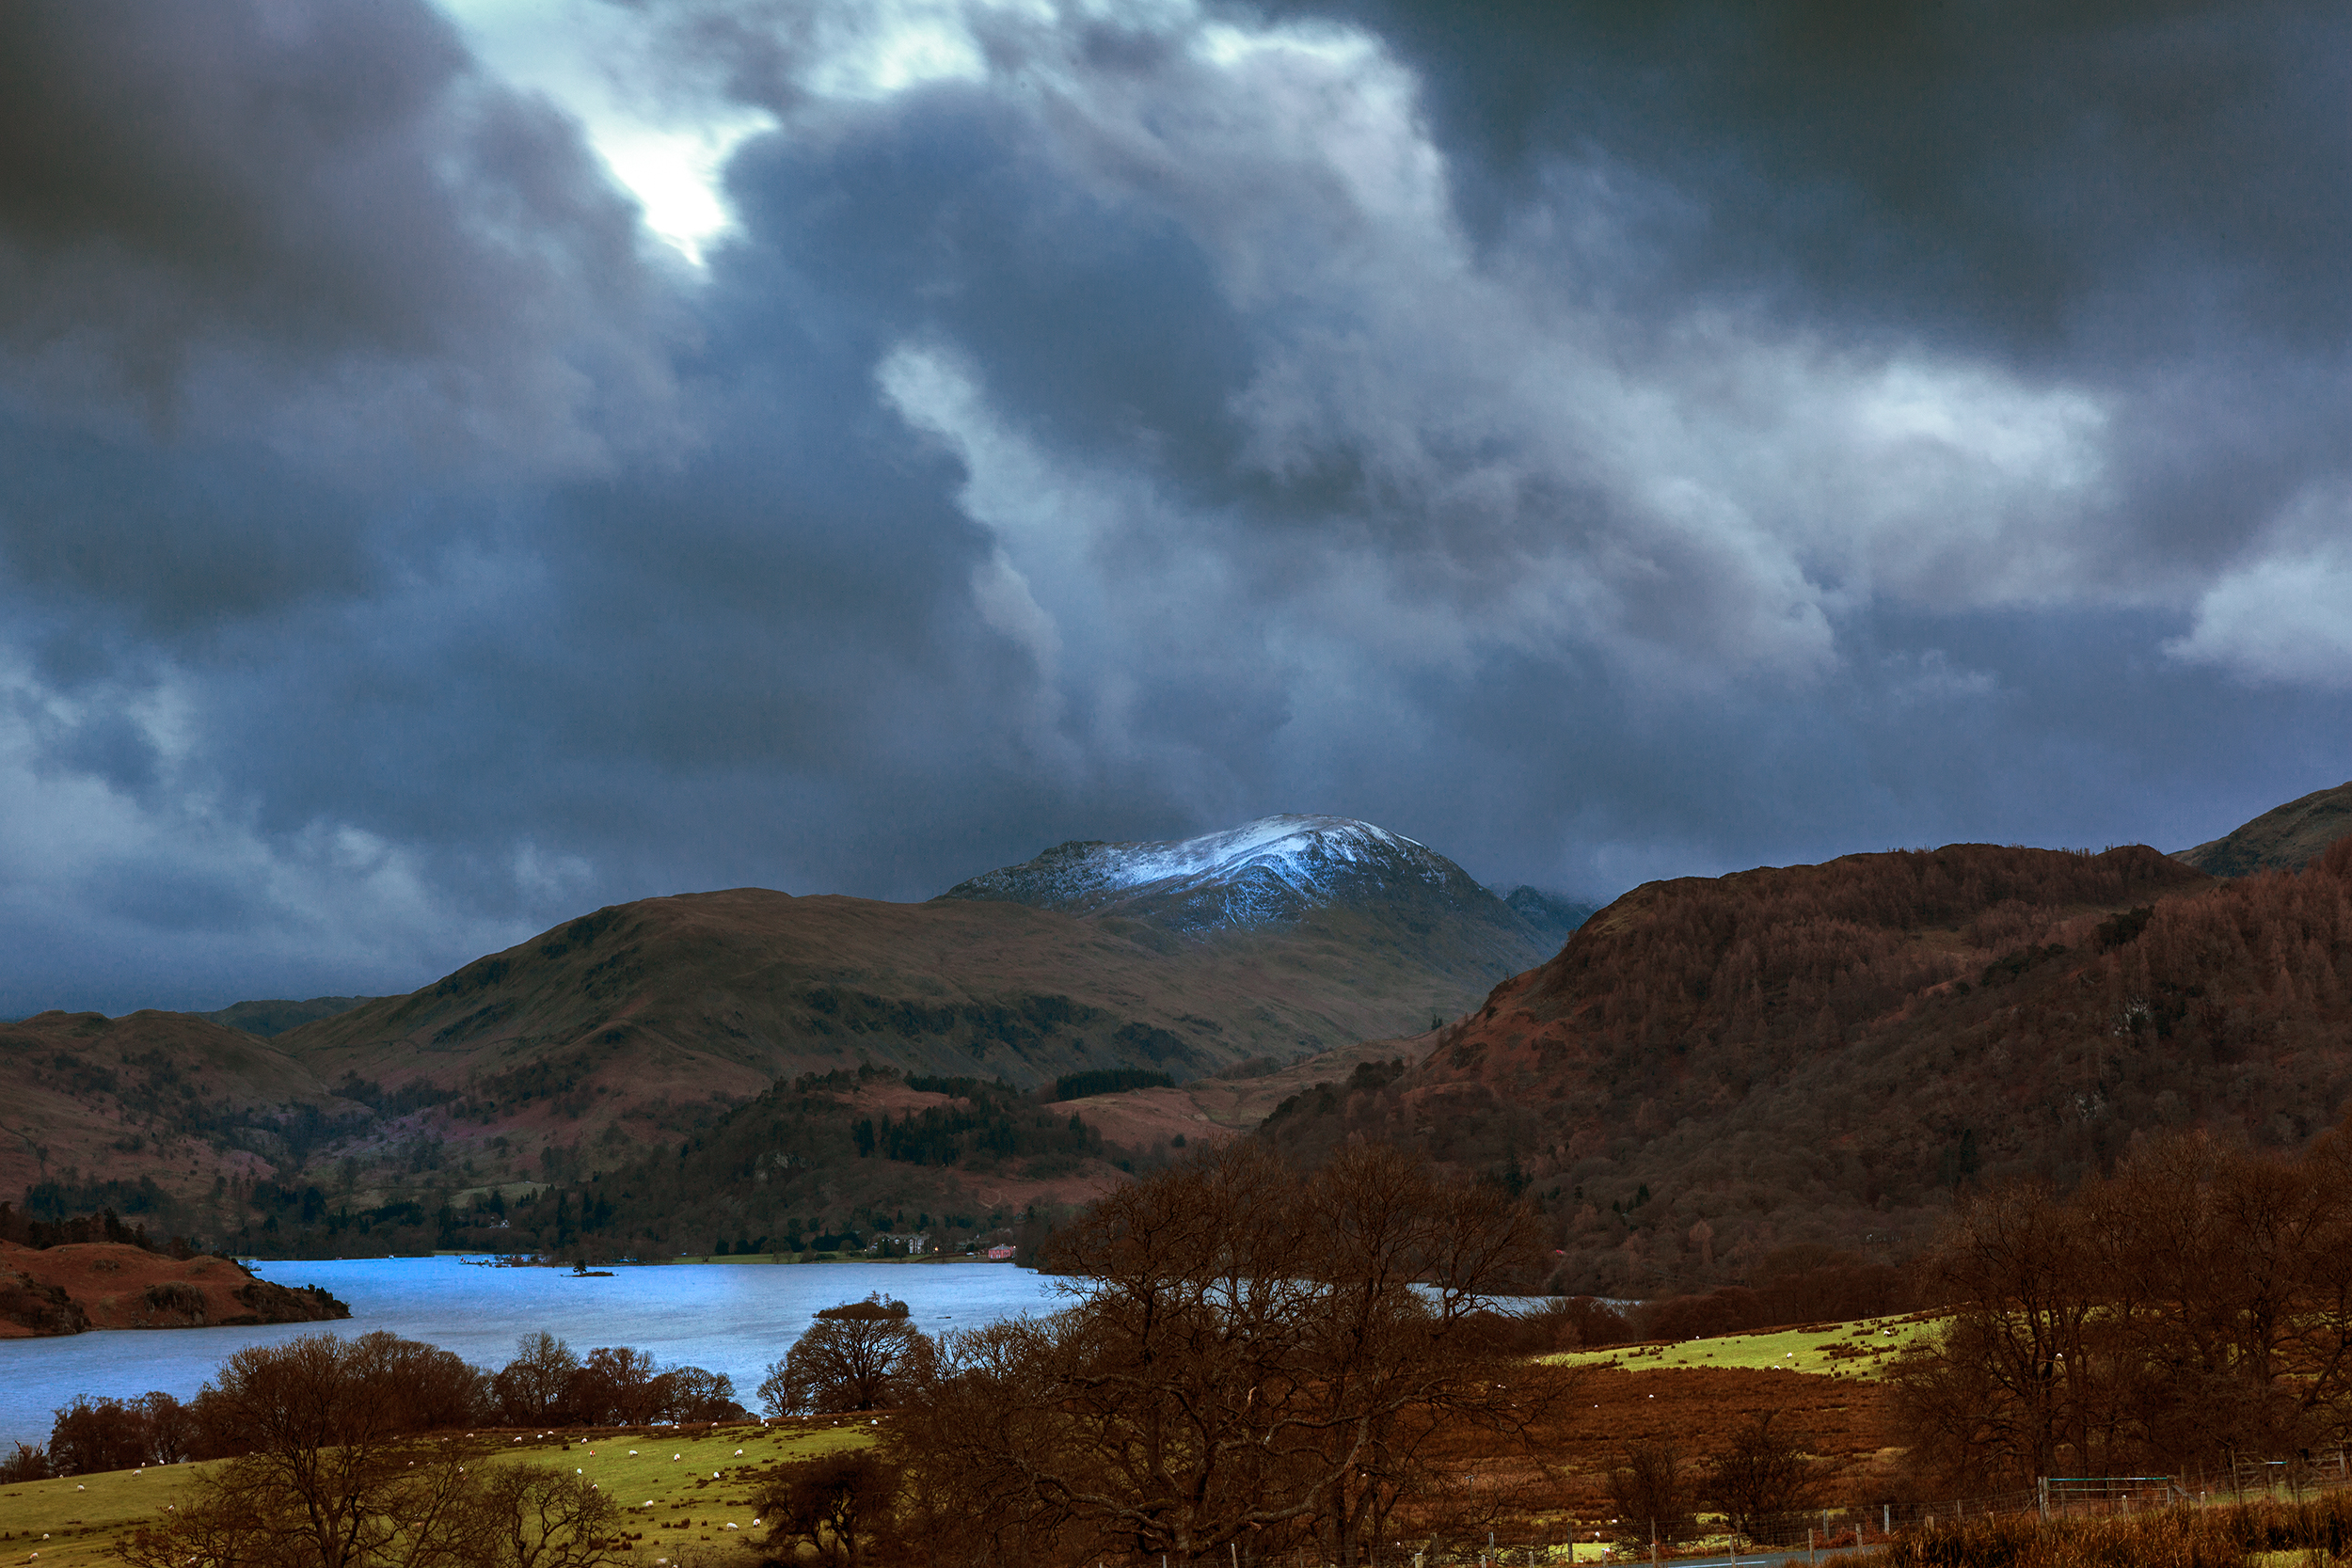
2284	838
640	1025
1275	870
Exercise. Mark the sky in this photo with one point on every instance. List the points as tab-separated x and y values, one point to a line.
463	467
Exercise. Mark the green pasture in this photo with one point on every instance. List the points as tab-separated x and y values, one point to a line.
674	1489
78	1517
1859	1349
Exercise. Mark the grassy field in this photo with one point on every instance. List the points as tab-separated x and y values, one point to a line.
677	1491
1858	1349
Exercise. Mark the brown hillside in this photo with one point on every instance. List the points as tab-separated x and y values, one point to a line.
1712	1071
65	1289
1214	1109
2285	838
634	1021
161	1097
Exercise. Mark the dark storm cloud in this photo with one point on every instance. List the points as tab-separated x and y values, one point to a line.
2109	176
1601	443
320	206
2148	200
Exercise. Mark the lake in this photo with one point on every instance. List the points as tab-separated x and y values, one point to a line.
729	1318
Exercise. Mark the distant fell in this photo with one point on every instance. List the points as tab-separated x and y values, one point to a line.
2284	838
1555	917
1276	871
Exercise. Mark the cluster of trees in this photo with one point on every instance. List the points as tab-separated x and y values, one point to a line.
843	1505
546	1385
1112	1079
28	1230
779	1166
93	1434
1759	1478
327	1472
978	1134
71	1200
2194	1306
1255	1357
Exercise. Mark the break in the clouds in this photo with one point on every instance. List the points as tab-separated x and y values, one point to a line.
459	469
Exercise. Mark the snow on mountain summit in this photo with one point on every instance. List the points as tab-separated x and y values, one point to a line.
1299	849
1271	871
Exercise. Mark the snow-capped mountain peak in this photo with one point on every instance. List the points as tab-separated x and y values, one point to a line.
1275	870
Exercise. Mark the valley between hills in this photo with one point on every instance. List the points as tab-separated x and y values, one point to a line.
1702	1082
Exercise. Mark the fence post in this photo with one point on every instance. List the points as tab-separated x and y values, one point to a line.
1887	1519
2043	1483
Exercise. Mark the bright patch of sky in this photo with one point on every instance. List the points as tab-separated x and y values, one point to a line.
669	154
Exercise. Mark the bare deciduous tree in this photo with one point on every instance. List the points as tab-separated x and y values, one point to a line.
530	1516
2198	1300
839	1505
1651	1493
326	1475
1761	1475
857	1357
530	1389
1251	1352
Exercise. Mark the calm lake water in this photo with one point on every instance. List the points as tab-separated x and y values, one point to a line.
730	1318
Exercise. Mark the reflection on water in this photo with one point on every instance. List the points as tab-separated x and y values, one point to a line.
730	1318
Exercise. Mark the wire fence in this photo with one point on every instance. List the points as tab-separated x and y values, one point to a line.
1816	1533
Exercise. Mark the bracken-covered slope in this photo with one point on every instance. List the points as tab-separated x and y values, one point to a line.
275	1017
630	1024
151	1112
1712	1069
2284	838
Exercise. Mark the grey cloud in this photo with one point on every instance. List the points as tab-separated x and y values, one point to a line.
314	213
1644	478
174	542
2029	172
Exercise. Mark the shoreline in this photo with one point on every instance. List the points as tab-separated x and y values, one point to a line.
521	1261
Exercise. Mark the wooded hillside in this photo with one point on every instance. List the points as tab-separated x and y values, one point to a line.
1714	1069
